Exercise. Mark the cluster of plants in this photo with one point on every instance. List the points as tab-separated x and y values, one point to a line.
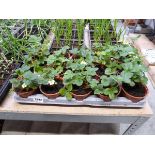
79	72
5	67
64	29
34	60
80	25
106	70
15	45
103	30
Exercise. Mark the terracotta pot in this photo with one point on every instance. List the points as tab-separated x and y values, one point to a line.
81	97
25	94
50	96
72	56
59	77
67	55
97	77
134	98
106	98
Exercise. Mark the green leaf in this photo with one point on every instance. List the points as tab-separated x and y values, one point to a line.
15	83
25	68
126	76
27	82
51	59
112	96
68	74
93	83
64	49
28	75
74	51
109	71
105	81
69	87
91	71
57	53
69	96
111	92
62	91
97	91
127	66
144	79
78	81
34	39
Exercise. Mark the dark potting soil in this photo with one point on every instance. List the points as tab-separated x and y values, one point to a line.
51	89
138	90
76	44
100	70
80	91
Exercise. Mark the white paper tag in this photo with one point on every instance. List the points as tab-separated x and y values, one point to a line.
38	99
149	54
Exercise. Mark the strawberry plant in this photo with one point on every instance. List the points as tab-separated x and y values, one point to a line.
108	86
25	79
78	73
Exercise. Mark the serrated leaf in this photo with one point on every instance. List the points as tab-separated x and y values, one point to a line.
91	71
78	81
68	74
108	71
97	91
51	59
74	51
105	81
94	83
126	76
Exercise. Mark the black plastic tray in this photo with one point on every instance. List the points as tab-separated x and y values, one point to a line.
7	85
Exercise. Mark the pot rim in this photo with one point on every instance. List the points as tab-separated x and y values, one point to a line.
27	91
47	93
146	92
82	95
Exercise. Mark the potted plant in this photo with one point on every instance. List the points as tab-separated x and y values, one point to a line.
107	88
106	59
49	86
134	81
133	76
76	79
75	85
58	61
36	52
26	78
25	83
